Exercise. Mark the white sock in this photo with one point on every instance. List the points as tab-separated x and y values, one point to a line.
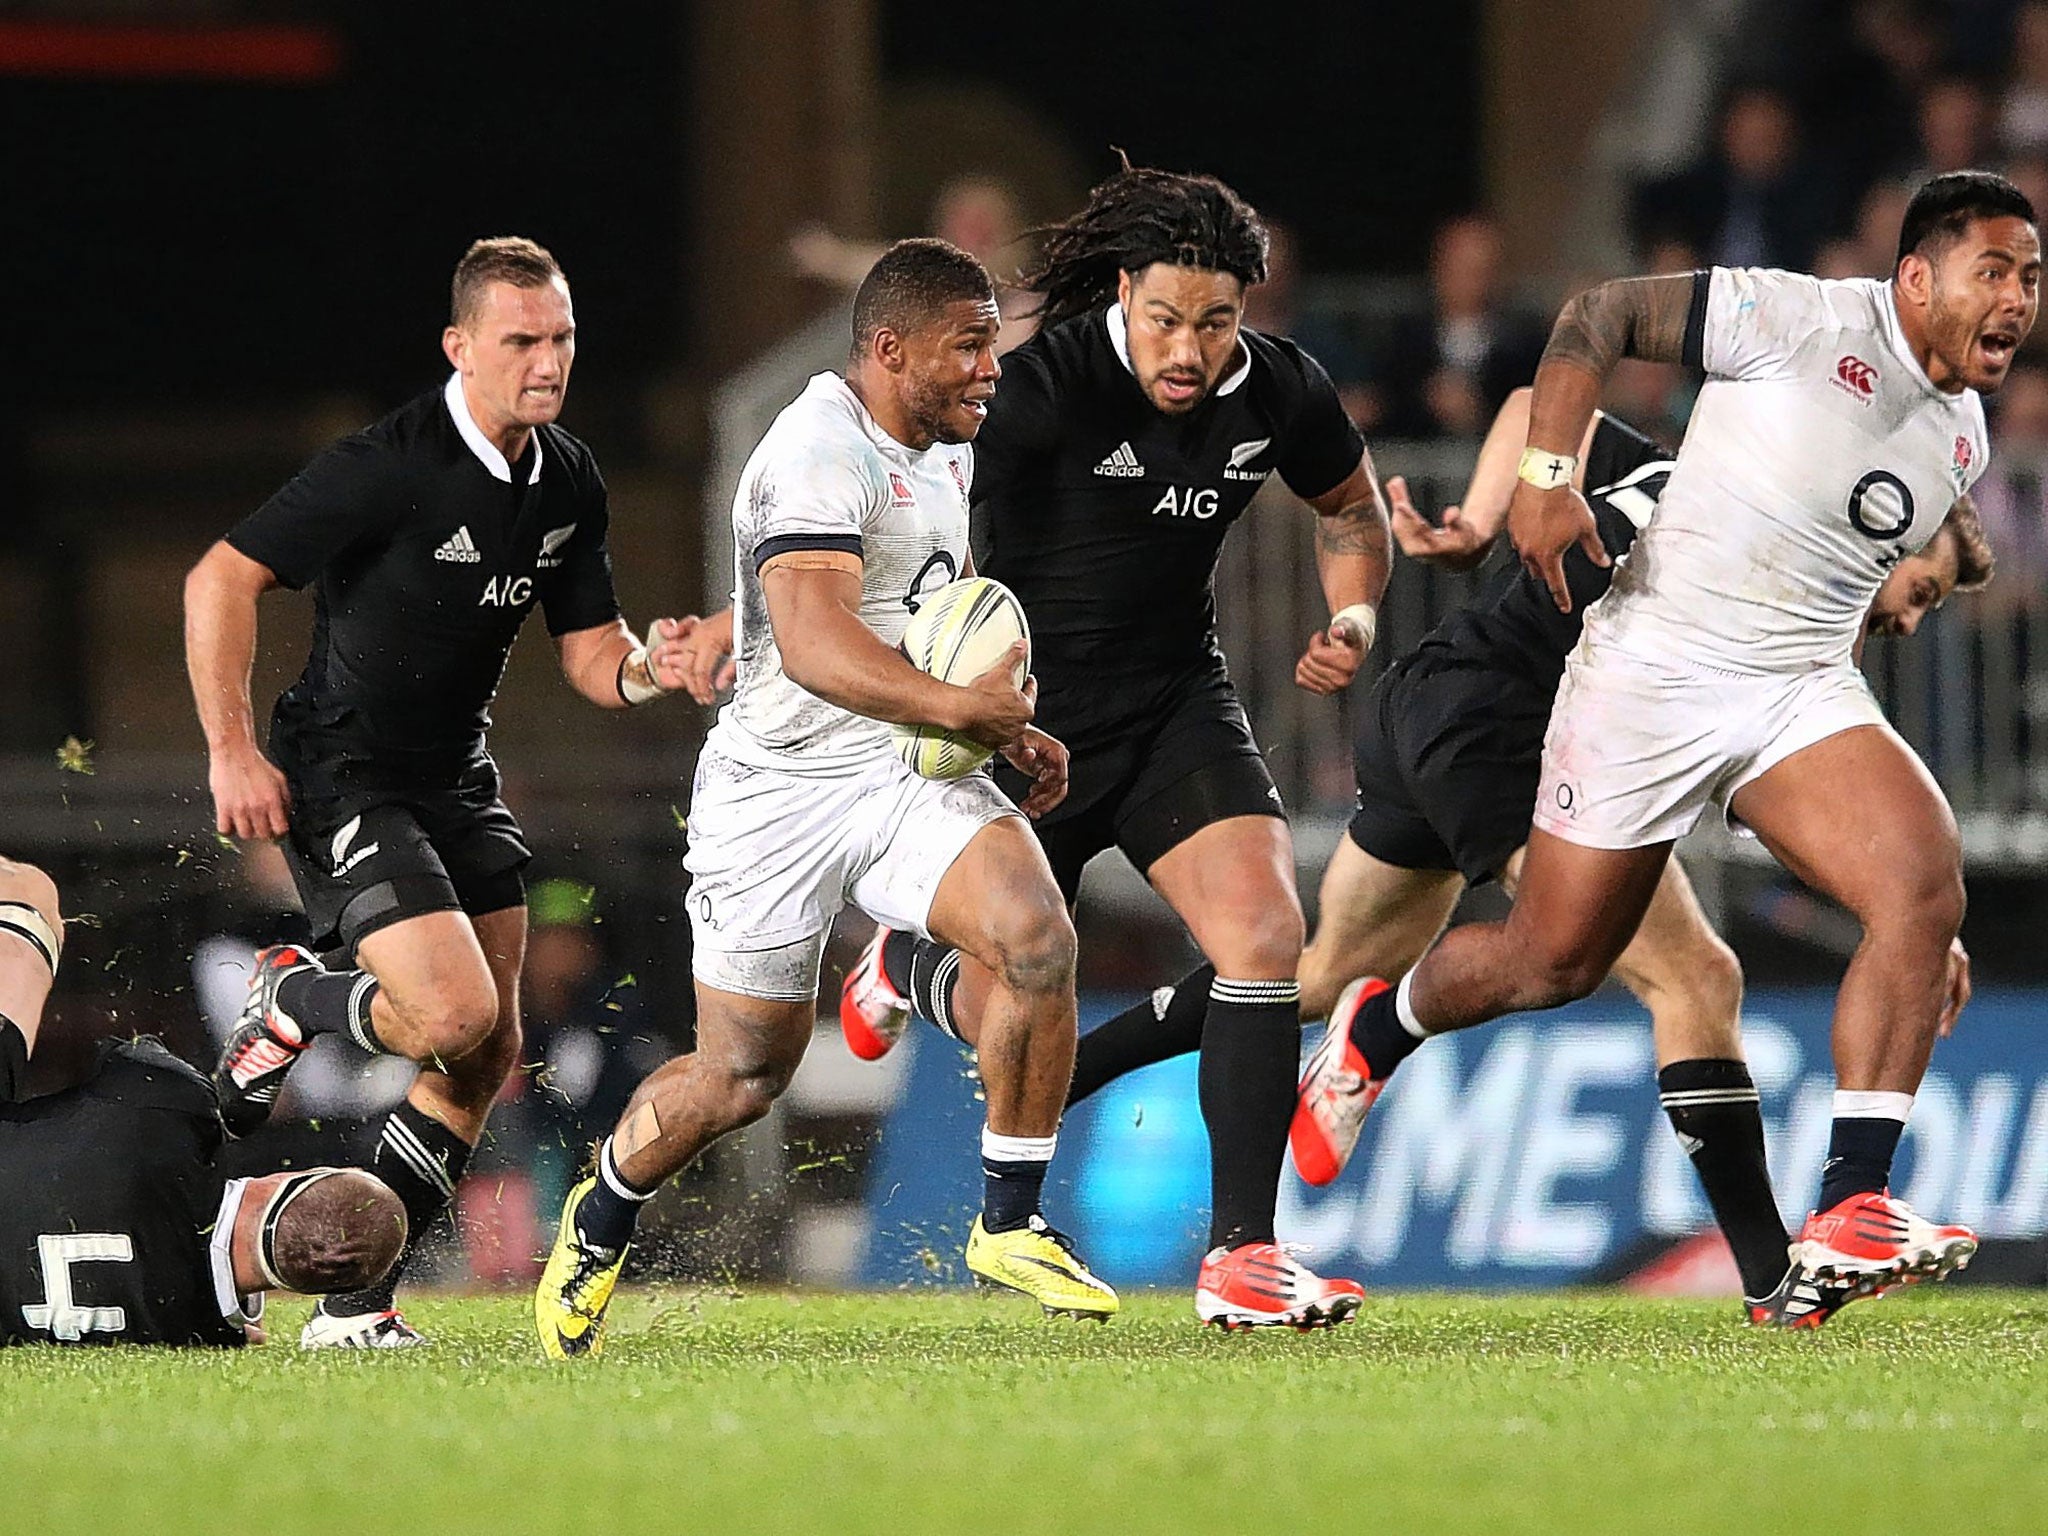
1404	1007
1868	1104
1017	1149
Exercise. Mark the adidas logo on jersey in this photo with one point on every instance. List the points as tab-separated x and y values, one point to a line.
1121	465
460	548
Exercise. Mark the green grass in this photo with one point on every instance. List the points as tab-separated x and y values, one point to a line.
942	1412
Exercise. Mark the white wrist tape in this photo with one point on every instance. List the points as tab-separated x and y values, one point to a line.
632	670
1363	617
27	924
1545	470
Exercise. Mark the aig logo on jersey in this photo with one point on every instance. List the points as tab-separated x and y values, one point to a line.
1196	501
1853	376
506	592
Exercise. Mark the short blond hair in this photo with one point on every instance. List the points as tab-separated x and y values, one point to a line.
510	259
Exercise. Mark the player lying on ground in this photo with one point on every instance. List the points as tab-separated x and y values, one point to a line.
1839	424
853	505
428	539
116	1226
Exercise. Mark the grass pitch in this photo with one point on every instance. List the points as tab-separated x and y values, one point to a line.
944	1412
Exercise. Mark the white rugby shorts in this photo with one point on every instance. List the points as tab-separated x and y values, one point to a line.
774	855
1637	749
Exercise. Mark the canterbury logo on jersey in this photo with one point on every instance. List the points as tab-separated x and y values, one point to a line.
1242	455
551	544
1122	464
460	548
345	858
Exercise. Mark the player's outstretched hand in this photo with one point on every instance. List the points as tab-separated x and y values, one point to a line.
1450	541
1544	525
250	800
1958	997
1045	760
694	655
1332	659
997	709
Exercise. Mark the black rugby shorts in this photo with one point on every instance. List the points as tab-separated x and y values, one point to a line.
1447	758
363	861
1152	764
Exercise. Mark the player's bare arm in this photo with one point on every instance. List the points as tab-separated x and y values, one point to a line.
1353	556
609	666
1639	317
814	608
1462	533
249	794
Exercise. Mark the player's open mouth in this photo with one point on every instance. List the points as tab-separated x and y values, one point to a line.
1179	388
542	391
1997	347
975	406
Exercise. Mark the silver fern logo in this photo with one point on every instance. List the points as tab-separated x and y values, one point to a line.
345	859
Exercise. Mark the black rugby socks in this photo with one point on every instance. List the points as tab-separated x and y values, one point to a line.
1251	1058
1861	1146
422	1161
1381	1036
1012	1178
1719	1120
1169	1023
324	1002
925	972
611	1210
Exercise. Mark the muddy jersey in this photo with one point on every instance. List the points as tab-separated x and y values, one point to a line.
827	477
1818	456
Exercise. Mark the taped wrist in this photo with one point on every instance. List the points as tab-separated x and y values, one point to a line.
1364	617
636	678
33	929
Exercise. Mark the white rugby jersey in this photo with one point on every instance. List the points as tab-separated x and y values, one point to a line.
1819	456
827	477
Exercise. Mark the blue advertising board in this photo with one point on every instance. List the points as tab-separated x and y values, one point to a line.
1527	1153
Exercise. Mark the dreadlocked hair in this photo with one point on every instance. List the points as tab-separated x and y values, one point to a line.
1137	217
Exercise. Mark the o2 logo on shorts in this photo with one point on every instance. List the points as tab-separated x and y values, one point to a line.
1567	798
922	586
1881	505
702	901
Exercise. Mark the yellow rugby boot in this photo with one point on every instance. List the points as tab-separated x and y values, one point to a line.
575	1288
1042	1264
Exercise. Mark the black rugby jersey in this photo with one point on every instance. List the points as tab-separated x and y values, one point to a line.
1512	622
107	1226
1105	515
427	551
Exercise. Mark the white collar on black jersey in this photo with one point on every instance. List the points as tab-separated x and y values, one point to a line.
481	446
1114	317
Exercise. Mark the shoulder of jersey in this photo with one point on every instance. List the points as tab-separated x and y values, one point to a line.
402	427
1276	360
1074	350
143	1074
567	450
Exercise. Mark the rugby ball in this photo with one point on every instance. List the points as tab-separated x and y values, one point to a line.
959	631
